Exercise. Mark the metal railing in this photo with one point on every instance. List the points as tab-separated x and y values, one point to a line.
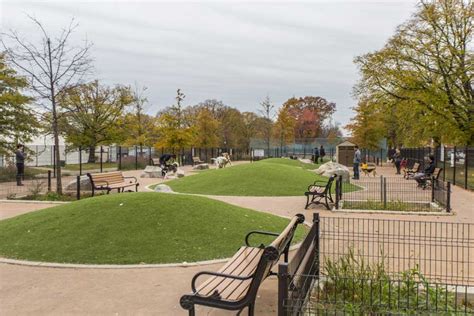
374	266
393	194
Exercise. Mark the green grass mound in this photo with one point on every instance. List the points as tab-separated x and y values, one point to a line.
134	228
292	162
270	177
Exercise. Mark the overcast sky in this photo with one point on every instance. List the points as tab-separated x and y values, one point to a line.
237	52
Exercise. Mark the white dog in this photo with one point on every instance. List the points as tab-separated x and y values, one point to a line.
220	162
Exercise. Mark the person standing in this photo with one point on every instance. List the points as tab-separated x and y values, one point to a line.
397	160
20	164
322	153
357	160
316	155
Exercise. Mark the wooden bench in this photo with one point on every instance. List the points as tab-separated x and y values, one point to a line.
235	285
410	172
109	181
197	161
319	191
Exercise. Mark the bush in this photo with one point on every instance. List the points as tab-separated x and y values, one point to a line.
352	285
8	173
128	163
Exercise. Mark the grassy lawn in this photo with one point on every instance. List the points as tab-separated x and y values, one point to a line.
270	177
134	228
292	162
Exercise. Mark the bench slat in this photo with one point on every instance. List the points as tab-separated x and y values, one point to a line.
232	289
243	263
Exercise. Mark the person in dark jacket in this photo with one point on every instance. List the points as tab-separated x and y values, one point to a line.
166	161
20	164
316	155
427	172
322	153
397	160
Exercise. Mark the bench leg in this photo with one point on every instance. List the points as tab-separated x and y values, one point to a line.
108	191
251	309
307	202
192	312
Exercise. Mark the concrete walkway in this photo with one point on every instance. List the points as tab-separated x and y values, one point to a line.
155	291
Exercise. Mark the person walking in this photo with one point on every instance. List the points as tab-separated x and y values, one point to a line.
316	155
322	153
20	164
357	160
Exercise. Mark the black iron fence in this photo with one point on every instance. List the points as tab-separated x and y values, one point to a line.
364	266
40	173
393	194
457	162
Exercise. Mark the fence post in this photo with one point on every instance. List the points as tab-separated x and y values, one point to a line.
282	287
454	166
444	163
80	160
136	158
337	193
381	188
100	159
36	155
149	155
316	221
120	158
448	198
385	193
49	180
78	187
433	184
466	170
381	156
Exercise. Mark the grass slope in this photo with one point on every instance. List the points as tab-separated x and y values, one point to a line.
134	228
292	162
270	177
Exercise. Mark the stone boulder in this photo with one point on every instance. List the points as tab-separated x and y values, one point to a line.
330	168
151	172
305	160
85	184
163	188
180	173
202	166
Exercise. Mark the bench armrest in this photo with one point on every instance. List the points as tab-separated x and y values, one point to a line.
258	232
230	276
131	178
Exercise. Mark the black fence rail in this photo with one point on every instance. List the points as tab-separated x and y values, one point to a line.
78	160
378	267
457	162
393	194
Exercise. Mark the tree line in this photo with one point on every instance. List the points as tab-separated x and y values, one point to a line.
45	88
418	89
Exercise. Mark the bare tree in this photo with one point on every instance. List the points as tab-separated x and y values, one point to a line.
267	112
52	65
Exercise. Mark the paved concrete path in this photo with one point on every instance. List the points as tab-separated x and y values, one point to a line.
64	291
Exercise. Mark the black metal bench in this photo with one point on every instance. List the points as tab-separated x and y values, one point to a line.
320	193
235	285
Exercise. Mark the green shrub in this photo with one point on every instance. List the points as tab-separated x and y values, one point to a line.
354	286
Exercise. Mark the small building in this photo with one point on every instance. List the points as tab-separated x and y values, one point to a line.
345	153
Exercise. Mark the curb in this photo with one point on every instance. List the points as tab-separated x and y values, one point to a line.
116	266
33	202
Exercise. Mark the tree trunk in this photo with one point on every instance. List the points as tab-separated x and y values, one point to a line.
91	158
59	185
